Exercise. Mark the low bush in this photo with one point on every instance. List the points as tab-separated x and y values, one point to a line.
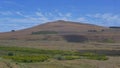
108	41
94	56
71	57
28	59
59	57
45	32
10	54
98	57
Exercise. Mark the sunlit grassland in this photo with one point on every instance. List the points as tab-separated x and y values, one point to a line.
21	54
60	54
60	45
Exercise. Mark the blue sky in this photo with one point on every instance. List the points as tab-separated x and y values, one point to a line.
21	14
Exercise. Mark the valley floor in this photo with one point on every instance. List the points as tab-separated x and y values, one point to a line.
61	45
112	62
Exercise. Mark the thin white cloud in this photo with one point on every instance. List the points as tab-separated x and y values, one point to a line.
39	14
9	2
6	13
64	15
68	14
53	16
12	3
19	13
41	17
30	19
10	13
82	19
106	18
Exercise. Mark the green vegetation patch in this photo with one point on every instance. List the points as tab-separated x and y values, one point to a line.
37	51
28	55
94	56
44	32
108	41
28	59
71	57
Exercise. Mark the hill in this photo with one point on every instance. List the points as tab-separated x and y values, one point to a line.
64	30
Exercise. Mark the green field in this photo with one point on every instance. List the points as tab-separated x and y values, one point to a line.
30	57
21	54
47	54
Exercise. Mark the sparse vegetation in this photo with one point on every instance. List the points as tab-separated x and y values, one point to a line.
44	32
28	55
59	57
28	59
109	41
92	30
71	57
95	56
75	38
10	54
12	30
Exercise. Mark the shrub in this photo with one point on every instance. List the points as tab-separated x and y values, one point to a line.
45	32
71	57
28	59
12	30
59	57
109	41
97	57
94	56
10	54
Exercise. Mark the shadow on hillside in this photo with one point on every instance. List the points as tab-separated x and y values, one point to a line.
75	38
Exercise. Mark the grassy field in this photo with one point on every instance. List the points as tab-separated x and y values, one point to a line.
28	55
61	45
113	62
56	53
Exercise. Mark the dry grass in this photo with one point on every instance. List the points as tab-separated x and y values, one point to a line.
113	62
8	64
62	45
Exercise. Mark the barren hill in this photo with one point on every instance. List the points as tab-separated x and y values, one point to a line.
59	26
61	30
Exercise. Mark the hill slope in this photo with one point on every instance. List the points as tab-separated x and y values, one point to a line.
62	29
59	26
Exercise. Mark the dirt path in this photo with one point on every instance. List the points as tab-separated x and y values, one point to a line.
8	65
3	65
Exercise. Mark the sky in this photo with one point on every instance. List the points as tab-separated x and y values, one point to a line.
21	14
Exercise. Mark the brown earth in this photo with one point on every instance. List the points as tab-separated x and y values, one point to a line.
67	30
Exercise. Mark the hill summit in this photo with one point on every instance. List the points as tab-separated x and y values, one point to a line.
60	26
64	26
61	29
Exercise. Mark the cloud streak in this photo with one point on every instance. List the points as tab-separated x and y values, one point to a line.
12	3
20	20
106	18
